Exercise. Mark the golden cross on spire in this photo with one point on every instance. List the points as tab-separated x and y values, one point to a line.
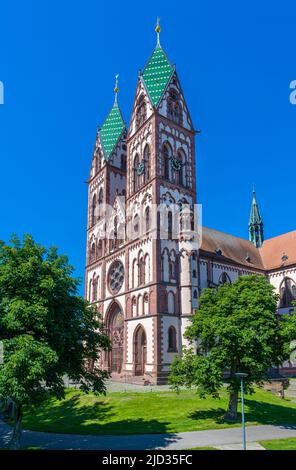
116	89
158	30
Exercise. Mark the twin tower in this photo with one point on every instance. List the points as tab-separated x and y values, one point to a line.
145	285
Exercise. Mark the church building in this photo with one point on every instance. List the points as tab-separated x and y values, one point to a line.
147	259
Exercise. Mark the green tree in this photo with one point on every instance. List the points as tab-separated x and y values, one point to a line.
235	329
48	330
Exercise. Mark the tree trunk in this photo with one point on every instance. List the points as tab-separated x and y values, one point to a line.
17	430
231	413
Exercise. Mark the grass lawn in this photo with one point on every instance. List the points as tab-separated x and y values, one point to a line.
280	444
150	412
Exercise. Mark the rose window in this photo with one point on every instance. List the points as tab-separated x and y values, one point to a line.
116	276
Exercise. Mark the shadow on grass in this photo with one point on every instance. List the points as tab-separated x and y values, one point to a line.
66	417
256	412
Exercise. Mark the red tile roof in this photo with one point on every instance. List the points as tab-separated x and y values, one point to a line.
275	253
279	251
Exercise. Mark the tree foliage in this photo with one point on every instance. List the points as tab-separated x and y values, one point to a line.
47	329
235	329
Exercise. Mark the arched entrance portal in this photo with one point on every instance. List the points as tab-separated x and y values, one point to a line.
140	349
115	328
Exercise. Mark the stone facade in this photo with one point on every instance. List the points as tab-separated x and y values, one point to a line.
146	285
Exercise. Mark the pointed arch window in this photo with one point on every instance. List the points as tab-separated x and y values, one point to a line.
147	163
134	272
136	182
95	289
93	210
101	198
162	267
224	279
123	162
171	302
136	226
146	304
92	252
141	264
172	270
166	156
141	112
174	108
134	307
147	219
115	232
170	225
181	174
287	293
172	339
100	248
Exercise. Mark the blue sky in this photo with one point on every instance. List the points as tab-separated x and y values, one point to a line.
58	59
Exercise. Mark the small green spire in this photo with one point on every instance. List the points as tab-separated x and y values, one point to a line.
256	232
112	128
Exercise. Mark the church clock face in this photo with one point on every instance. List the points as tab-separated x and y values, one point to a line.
140	168
176	164
115	276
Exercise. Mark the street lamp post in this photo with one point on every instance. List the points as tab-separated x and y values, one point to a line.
242	376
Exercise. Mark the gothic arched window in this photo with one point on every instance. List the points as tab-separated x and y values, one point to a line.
146	304
172	269
182	172
170	225
101	198
95	289
171	302
166	155
100	248
123	162
147	163
141	112
287	293
136	182
172	339
136	226
134	271
94	210
224	279
141	267
147	269
134	307
147	219
92	252
174	108
113	236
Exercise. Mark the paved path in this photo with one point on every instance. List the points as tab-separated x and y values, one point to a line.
170	441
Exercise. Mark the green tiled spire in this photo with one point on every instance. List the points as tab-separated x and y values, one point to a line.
156	74
113	127
256	233
111	130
